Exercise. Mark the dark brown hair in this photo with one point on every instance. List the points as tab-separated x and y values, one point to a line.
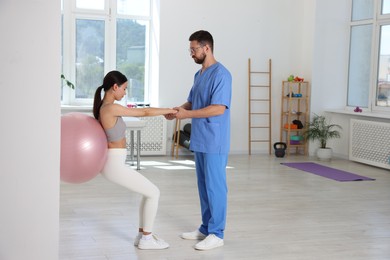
203	37
111	78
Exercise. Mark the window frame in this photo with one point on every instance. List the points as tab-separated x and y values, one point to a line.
71	14
382	19
355	24
377	21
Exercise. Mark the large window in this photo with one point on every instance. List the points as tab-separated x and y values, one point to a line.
369	59
103	35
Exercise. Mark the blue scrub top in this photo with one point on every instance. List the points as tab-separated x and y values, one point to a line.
211	87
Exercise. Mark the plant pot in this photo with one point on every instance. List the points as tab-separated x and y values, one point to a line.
324	154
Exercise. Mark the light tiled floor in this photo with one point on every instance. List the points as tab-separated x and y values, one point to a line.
275	212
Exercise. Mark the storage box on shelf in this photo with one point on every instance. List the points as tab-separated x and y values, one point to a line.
295	113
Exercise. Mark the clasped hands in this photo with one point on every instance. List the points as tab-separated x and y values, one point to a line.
180	114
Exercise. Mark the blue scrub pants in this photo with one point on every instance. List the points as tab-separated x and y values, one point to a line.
212	187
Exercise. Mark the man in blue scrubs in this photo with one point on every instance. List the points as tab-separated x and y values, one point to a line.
208	104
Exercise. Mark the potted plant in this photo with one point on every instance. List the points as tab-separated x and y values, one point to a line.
318	129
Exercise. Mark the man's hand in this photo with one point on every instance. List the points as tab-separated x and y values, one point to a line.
181	113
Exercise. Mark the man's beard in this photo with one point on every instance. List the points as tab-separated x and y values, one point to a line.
199	60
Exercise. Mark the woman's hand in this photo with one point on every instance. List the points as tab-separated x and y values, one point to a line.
171	115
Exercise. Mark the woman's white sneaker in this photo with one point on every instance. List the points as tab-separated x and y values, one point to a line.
153	243
210	242
194	235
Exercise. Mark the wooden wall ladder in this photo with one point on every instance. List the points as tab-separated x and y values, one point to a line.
259	106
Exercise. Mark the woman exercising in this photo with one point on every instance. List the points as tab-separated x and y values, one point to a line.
110	115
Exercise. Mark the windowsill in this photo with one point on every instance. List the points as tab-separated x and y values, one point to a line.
362	114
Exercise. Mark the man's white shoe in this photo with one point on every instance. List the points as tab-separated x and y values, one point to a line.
210	242
153	243
194	235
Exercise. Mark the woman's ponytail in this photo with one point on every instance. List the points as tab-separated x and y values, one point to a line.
97	102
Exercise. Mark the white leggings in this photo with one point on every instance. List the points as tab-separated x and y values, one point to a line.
118	172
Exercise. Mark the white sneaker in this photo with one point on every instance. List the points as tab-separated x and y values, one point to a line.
194	235
210	242
137	239
153	243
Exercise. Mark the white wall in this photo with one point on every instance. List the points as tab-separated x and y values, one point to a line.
302	37
330	67
281	30
30	129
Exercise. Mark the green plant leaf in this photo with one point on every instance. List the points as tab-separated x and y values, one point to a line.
318	129
67	82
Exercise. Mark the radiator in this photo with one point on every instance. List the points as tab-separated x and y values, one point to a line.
153	136
370	142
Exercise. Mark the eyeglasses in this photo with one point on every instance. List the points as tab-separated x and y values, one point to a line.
193	50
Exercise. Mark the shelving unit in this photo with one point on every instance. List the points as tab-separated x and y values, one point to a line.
259	106
295	106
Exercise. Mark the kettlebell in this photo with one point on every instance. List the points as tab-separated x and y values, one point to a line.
280	149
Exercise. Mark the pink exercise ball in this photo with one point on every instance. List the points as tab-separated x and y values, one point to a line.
83	148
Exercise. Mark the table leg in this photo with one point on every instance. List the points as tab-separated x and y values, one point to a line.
138	148
132	147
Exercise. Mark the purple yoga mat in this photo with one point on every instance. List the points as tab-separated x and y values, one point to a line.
327	172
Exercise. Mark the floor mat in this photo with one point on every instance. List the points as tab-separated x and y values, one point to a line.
327	172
